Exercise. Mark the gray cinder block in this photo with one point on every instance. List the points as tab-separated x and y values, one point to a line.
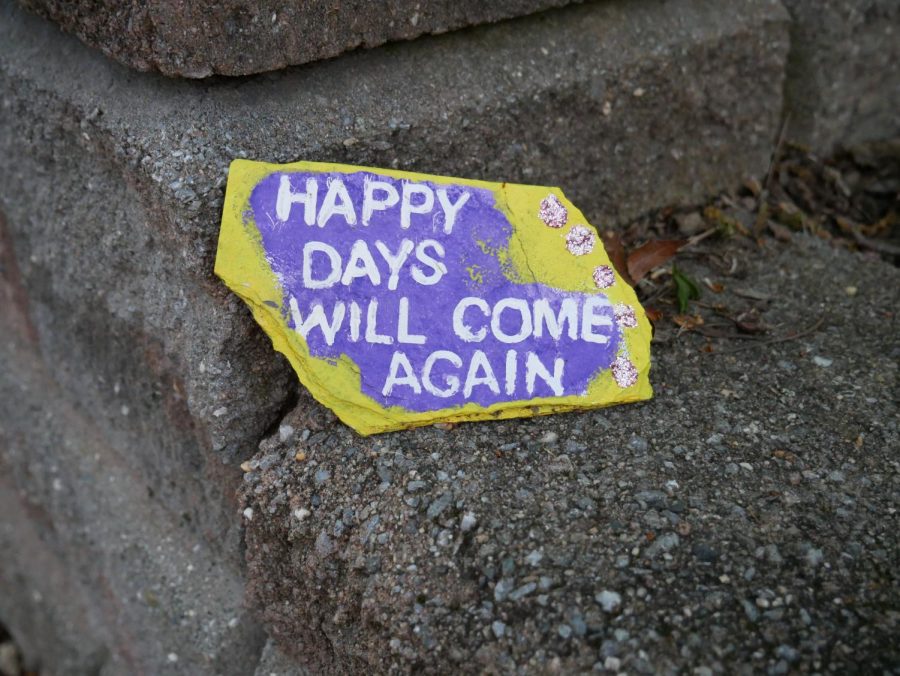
139	383
843	84
199	39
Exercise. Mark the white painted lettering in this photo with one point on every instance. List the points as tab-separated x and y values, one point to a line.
451	209
371	204
451	382
545	317
403	334
463	330
512	365
535	367
407	208
438	268
372	335
316	318
520	305
287	198
480	373
334	259
337	202
361	264
590	319
400	361
395	261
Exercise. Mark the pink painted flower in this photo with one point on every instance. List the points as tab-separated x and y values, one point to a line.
625	316
624	372
604	277
580	240
552	212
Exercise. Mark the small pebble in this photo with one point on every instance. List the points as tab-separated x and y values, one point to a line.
522	591
638	445
436	508
285	432
503	588
534	558
814	557
610	601
468	522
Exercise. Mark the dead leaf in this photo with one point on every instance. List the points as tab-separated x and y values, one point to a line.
613	245
688	322
651	255
653	314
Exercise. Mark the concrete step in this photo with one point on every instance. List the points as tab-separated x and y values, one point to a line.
200	39
736	522
843	77
112	192
100	572
113	185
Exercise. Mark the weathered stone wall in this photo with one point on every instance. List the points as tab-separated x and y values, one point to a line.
133	384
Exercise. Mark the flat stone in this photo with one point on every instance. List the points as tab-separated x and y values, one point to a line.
199	39
341	266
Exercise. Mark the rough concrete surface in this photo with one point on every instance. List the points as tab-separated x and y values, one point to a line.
843	77
134	384
743	521
199	39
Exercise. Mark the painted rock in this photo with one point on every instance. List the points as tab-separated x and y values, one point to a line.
406	299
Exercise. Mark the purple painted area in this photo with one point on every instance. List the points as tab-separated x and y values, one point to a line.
473	269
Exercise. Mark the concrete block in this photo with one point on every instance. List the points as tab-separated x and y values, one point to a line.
664	536
140	383
199	39
100	574
843	77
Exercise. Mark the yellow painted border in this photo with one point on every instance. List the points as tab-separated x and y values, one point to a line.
537	253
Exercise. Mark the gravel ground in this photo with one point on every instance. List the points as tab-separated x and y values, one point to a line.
742	521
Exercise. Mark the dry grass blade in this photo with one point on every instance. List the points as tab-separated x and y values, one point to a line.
780	339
